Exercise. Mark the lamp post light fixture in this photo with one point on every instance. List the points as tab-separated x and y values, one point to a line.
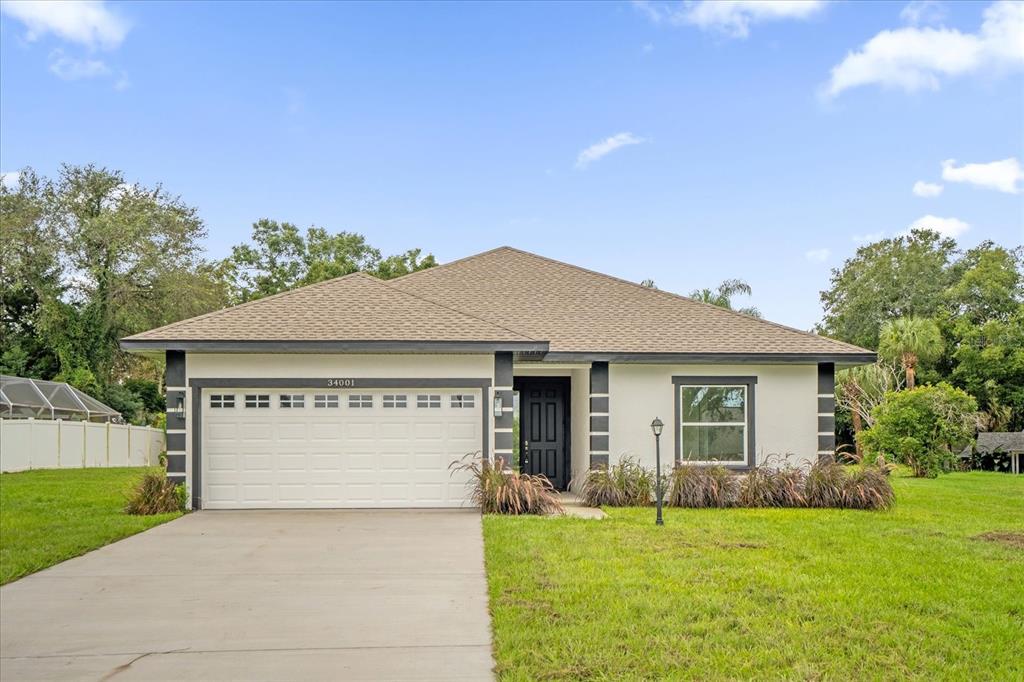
656	427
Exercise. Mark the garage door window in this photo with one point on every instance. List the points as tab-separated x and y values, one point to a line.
358	401
428	401
325	400
222	401
395	401
292	400
463	401
258	400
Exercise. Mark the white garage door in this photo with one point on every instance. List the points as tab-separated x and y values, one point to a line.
360	448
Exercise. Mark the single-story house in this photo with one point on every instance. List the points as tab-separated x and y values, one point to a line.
1009	443
358	392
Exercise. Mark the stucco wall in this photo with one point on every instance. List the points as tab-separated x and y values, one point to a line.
786	418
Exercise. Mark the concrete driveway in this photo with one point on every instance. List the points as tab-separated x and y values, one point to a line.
249	595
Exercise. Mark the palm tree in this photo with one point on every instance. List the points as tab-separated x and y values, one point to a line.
860	389
722	296
909	341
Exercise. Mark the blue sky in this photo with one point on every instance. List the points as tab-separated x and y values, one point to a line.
728	140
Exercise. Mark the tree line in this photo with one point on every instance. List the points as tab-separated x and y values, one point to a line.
87	258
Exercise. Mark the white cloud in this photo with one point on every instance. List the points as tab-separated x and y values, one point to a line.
817	255
1000	175
869	237
927	189
10	179
605	147
946	227
73	68
87	23
731	17
914	58
921	12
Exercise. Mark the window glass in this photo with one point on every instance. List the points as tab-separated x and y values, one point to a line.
292	400
323	400
713	443
714	404
395	401
257	400
222	400
428	400
462	400
713	423
360	400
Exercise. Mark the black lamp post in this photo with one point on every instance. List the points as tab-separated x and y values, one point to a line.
656	427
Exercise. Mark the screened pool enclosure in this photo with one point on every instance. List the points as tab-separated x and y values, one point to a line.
34	398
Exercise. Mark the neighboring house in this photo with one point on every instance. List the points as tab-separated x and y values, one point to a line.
358	392
1001	442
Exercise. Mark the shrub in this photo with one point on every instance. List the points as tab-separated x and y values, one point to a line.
156	494
500	491
702	486
626	484
923	428
772	486
824	484
868	487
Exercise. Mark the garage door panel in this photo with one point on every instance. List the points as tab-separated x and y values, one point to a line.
337	457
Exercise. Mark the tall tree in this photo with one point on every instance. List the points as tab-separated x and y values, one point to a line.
723	295
280	258
862	388
905	276
910	341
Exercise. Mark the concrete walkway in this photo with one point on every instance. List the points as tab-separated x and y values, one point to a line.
260	595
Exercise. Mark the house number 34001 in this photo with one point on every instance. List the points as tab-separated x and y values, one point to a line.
341	383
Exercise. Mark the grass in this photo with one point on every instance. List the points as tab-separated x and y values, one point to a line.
48	516
915	592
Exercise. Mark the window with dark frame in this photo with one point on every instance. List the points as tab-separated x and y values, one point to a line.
395	401
432	400
463	400
325	400
222	400
257	400
713	424
292	400
360	400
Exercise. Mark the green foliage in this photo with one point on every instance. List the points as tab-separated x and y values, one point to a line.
126	402
626	484
722	296
499	490
280	258
904	276
155	494
909	341
989	364
923	428
148	392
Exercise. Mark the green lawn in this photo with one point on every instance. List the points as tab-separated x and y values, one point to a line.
48	516
768	593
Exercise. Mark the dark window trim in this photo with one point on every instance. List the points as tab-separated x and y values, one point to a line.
749	381
198	385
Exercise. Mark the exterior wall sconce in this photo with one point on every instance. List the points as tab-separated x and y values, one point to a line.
498	405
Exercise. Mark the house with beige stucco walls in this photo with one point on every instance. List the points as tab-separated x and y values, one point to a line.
357	392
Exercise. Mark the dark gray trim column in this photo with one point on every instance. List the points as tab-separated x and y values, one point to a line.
599	413
503	424
174	378
826	410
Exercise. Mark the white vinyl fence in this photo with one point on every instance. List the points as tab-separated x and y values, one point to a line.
55	444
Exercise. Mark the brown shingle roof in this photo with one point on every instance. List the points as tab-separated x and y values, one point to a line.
579	310
356	307
504	295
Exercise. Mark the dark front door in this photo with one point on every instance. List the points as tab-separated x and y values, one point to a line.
542	429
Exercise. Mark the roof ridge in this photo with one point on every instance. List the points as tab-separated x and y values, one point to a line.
280	294
672	295
441	266
517	332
